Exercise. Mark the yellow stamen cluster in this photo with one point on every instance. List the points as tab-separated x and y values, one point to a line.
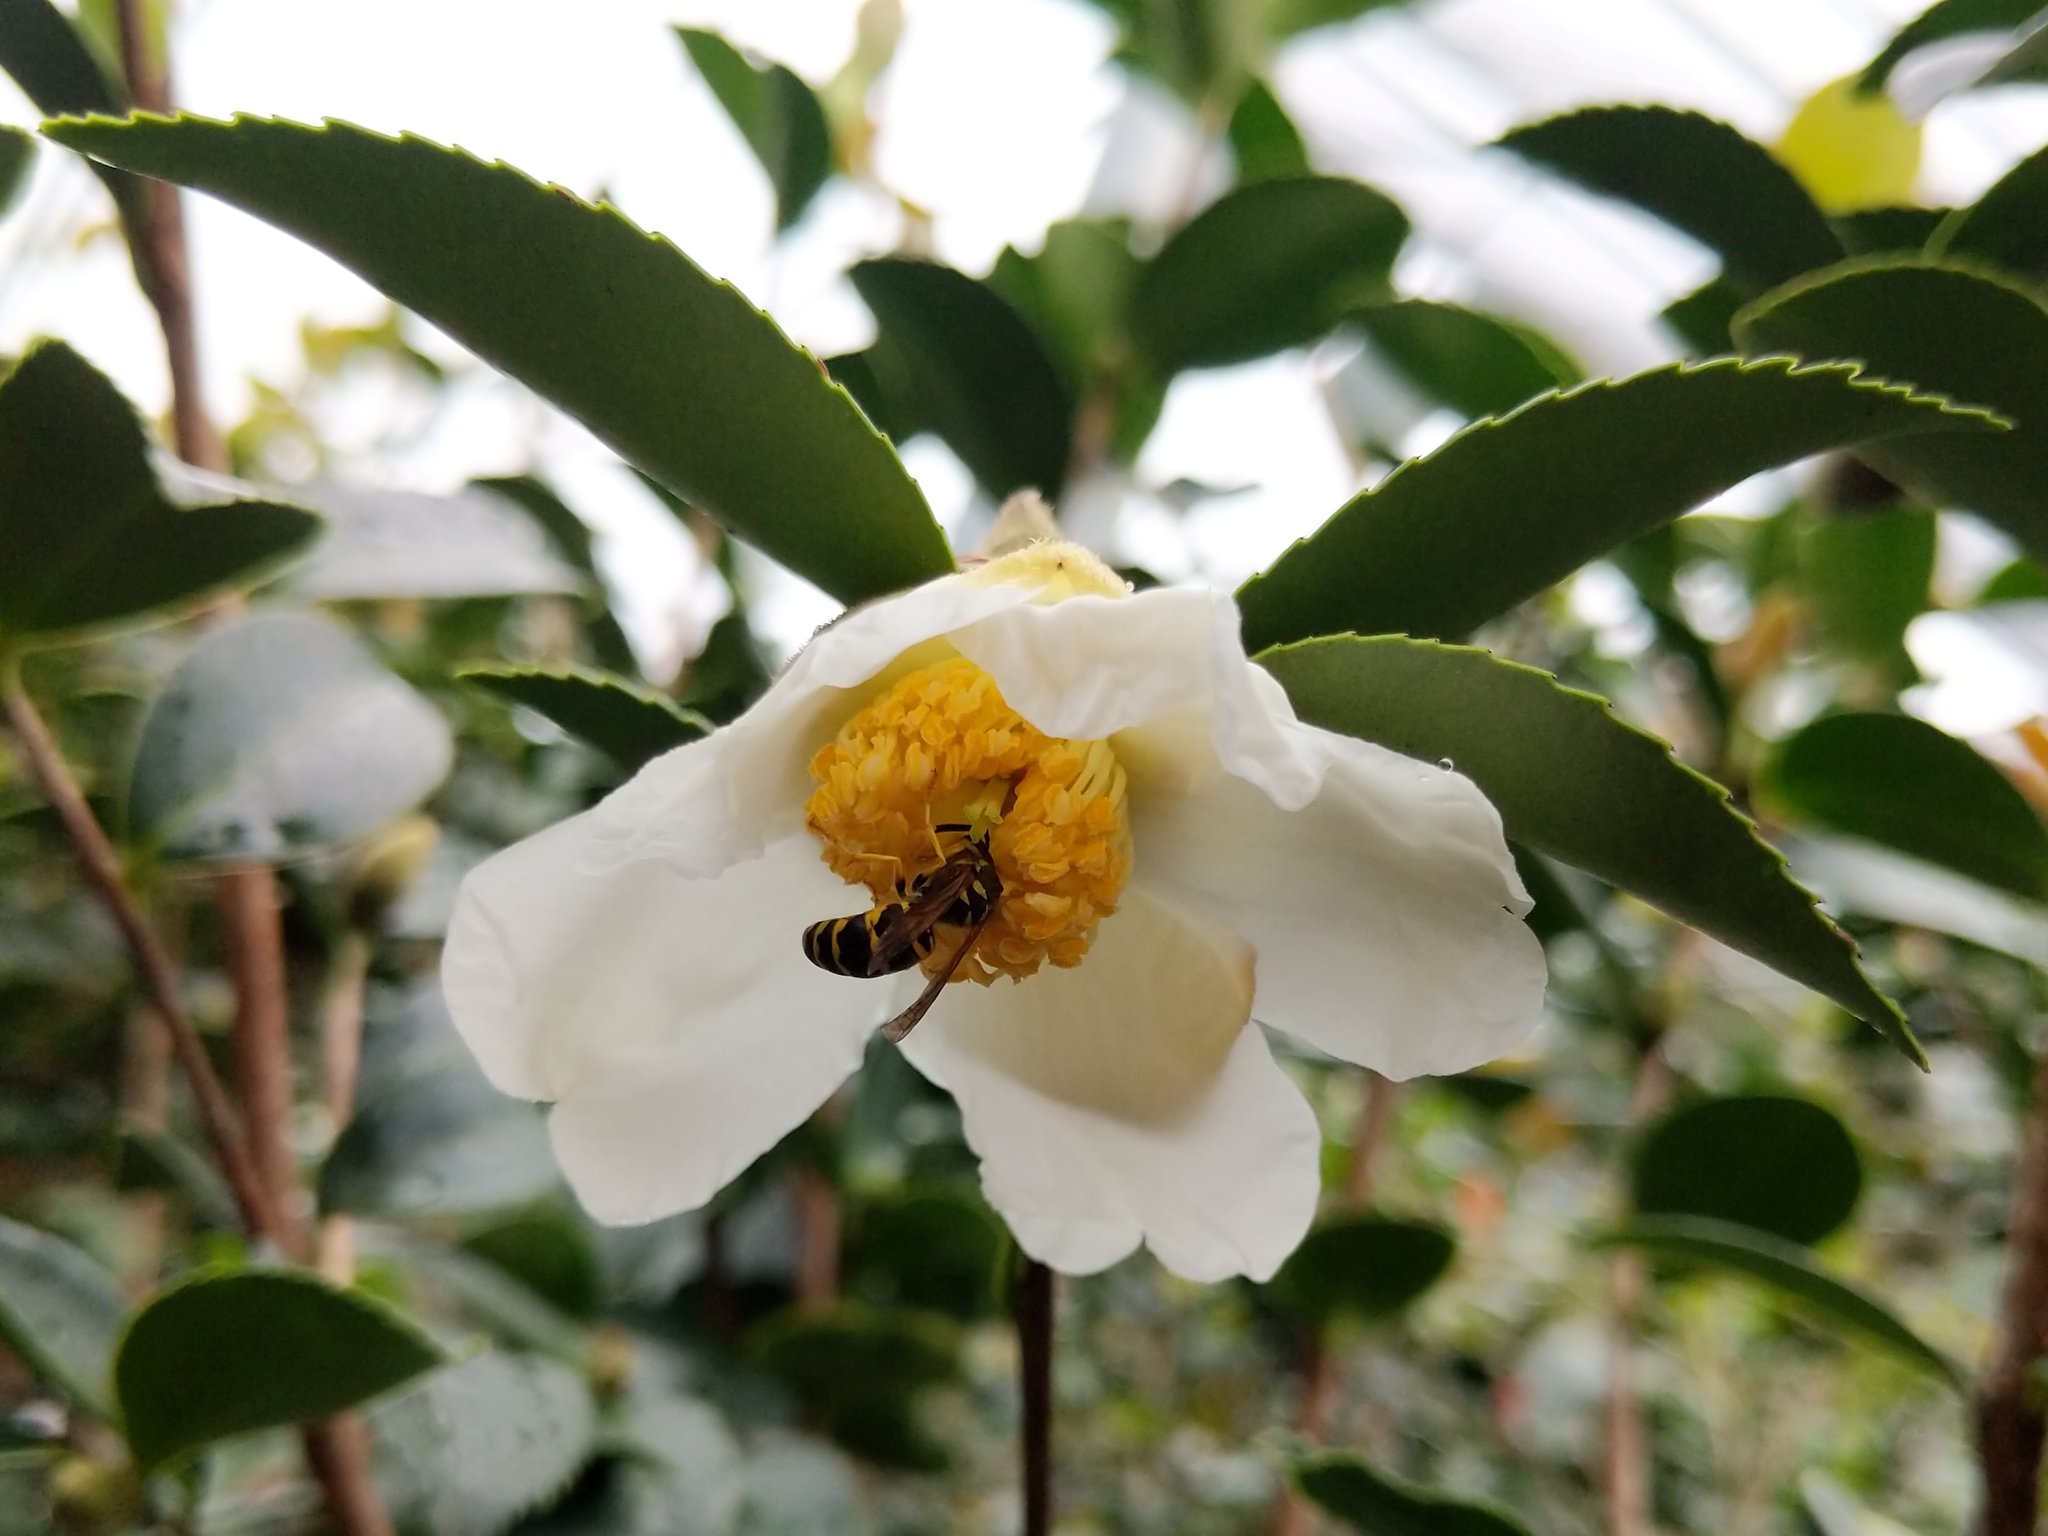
942	747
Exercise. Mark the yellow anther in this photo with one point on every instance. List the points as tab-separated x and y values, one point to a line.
941	748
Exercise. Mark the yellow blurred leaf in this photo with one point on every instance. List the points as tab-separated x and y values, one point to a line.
1852	152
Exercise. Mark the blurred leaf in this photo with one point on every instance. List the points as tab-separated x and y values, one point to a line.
275	736
1947	329
383	544
877	386
1881	231
1942	20
1363	1267
1789	1270
17	164
2018	581
476	1445
933	1247
1263	138
551	1253
1204	49
1859	878
2007	226
1272	265
1851	150
1367	1499
157	1160
1508	507
1866	578
801	1489
1834	1513
228	1351
678	373
1705	317
978	376
626	721
682	1476
860	1370
1901	783
775	112
1287	17
1697	174
50	60
1573	781
479	1293
1475	364
444	1142
88	541
1779	1165
572	538
61	1312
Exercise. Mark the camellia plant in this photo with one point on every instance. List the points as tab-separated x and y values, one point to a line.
869	989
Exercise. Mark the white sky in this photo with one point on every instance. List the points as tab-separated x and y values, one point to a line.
999	116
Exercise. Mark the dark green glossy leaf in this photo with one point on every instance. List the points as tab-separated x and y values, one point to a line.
1369	1500
443	1142
1780	1165
860	1370
227	1351
1263	138
1573	781
978	376
2007	226
61	1313
1865	576
475	1446
551	1252
775	112
88	540
1901	783
49	59
1698	175
1704	318
1272	265
1507	507
878	387
628	722
1884	231
1362	1267
1475	364
1945	19
935	1248
278	735
1789	1270
1966	333
17	164
478	1293
679	373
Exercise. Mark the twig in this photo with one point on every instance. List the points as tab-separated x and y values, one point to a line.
818	1221
1034	1380
2010	1425
102	870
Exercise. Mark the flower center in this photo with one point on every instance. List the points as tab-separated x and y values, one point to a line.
939	761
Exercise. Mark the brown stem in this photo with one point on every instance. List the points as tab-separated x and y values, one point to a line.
2010	1424
818	1235
252	936
1034	1381
102	870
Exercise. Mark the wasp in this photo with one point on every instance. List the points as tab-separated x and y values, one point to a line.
961	893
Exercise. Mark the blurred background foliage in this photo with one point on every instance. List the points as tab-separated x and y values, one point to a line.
1708	1256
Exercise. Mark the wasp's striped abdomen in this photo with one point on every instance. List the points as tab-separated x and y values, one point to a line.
963	892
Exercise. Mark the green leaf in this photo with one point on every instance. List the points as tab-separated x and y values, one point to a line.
682	1474
475	1446
860	1370
88	540
1263	138
1272	265
1942	20
1573	781
936	1248
1885	231
1369	1500
1697	174
1865	576
1778	1164
677	372
2007	226
227	1351
1285	18
628	722
1901	783
977	374
1363	1267
1704	317
775	112
1967	333
1788	1270
278	735
48	59
443	1142
551	1251
61	1312
572	539
1475	364
386	544
1507	507
17	164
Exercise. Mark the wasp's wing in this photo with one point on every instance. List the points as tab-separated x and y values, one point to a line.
907	1020
898	930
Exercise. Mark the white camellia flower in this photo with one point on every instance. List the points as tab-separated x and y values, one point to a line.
1163	830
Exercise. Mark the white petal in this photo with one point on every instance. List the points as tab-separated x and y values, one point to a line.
705	804
1128	1099
674	1021
1385	914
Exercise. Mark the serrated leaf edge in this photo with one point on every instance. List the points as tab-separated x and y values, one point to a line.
1887	261
596	677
